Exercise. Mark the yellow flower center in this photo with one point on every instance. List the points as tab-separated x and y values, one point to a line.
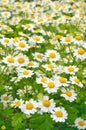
51	84
51	66
3	127
70	69
43	79
40	72
60	20
29	106
68	93
6	40
81	51
31	63
62	80
15	39
12	6
7	27
10	60
5	14
46	103
77	80
27	26
38	8
1	23
40	56
40	20
5	98
17	103
52	55
56	71
59	113
32	16
22	44
25	72
81	15
81	123
78	38
36	38
40	95
21	60
67	39
58	36
37	30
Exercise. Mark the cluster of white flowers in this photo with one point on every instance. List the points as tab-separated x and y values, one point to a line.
43	55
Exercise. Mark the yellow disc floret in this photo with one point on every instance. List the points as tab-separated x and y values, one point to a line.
51	84
29	106
59	113
46	103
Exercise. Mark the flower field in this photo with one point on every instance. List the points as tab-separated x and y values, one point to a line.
43	65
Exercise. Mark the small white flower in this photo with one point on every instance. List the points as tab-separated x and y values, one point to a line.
9	60
59	114
71	70
69	95
5	14
21	60
75	80
29	107
22	45
46	104
50	86
52	55
24	73
80	123
80	53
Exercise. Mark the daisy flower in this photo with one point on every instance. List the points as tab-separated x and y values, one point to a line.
46	104
5	1
40	73
21	60
36	39
15	79
78	40
21	45
66	40
75	80
15	40
7	28
61	81
39	31
6	42
50	86
28	27
49	67
59	114
71	70
80	53
80	123
38	56
5	14
20	92
24	73
41	80
33	64
17	103
58	70
69	95
52	55
5	99
9	60
29	107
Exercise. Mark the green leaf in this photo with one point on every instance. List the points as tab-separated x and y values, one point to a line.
41	122
17	121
